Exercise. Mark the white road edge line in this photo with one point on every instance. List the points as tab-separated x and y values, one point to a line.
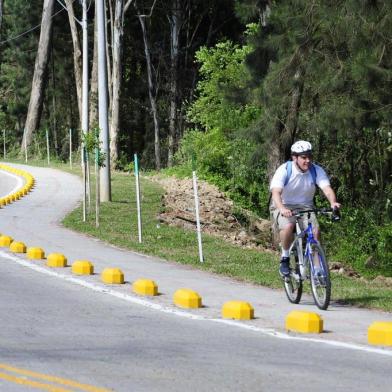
165	309
19	181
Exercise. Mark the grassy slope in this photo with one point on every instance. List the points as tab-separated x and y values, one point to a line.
119	226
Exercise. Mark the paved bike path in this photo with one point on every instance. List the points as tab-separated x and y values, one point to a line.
35	220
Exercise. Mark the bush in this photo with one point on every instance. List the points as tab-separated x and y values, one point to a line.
358	241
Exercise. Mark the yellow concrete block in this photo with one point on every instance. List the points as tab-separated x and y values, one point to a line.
82	267
187	298
237	310
112	276
56	260
17	247
5	241
35	253
145	287
305	322
380	333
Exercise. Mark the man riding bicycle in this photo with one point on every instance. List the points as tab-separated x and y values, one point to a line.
293	187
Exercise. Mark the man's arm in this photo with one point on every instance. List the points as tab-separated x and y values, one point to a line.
277	198
330	195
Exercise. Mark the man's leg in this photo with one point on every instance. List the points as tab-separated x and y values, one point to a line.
285	227
286	238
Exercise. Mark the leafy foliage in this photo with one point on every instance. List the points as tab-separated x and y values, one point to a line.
319	71
221	109
17	61
92	145
323	71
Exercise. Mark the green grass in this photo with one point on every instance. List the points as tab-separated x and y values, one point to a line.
118	226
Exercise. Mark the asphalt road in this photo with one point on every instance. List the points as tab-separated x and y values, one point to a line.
54	327
71	330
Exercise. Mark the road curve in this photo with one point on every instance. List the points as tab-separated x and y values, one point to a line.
261	343
36	218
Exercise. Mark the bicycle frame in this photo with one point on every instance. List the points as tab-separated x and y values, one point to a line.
304	257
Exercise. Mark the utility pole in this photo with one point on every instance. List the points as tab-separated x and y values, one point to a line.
105	188
84	103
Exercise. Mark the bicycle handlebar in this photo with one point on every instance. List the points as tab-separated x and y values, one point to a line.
335	213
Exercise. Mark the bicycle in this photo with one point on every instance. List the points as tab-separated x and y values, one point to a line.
303	261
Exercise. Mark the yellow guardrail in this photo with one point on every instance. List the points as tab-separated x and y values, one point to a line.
29	183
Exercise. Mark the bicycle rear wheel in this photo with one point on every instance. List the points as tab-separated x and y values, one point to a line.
320	284
293	283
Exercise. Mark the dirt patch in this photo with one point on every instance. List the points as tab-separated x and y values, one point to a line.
218	216
338	268
383	281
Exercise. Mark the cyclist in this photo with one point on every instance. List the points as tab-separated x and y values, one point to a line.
293	187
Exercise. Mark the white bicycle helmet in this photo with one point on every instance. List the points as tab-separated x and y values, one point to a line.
301	147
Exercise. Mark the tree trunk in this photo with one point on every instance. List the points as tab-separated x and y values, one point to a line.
285	133
293	110
175	20
118	32
54	110
93	114
151	93
109	42
1	14
40	74
77	53
275	156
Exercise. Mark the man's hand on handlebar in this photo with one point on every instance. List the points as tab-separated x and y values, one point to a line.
286	212
335	217
335	206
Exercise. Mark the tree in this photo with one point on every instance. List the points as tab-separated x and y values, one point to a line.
93	111
118	31
175	25
152	91
40	74
1	14
77	54
17	60
218	114
322	71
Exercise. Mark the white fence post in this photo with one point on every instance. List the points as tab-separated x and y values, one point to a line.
4	150
47	146
139	217
70	147
25	147
197	216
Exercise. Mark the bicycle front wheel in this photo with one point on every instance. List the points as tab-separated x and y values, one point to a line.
321	282
293	283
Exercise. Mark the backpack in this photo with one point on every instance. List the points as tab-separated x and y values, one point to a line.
289	170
